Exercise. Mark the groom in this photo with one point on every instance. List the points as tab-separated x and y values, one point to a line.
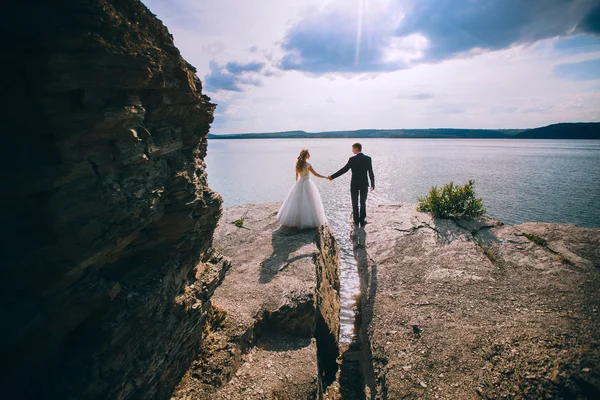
360	165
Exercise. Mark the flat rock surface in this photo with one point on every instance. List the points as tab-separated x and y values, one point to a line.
479	310
271	267
260	345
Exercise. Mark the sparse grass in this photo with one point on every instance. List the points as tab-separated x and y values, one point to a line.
239	222
563	259
536	239
489	253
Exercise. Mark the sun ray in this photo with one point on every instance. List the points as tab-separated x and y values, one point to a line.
358	33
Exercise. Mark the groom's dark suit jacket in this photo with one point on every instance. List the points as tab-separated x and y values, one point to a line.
360	165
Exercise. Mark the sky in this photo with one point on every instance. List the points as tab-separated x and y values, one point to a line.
318	65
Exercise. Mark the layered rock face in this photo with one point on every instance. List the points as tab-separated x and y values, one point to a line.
108	267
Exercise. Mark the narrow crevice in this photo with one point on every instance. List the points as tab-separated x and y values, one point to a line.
426	225
327	354
94	167
327	321
367	272
487	251
414	228
540	241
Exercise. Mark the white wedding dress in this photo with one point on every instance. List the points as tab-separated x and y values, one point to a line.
302	208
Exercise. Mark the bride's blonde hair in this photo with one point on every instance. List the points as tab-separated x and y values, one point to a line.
301	161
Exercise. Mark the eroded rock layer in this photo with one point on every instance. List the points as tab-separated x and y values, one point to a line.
108	268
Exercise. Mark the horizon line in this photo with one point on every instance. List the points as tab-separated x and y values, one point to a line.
413	129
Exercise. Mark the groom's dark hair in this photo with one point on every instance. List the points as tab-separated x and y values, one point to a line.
357	146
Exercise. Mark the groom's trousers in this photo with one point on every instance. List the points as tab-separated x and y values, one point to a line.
357	192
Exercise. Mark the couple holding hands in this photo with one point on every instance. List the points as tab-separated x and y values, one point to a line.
303	208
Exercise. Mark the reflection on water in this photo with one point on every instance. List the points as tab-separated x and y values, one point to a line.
519	180
339	222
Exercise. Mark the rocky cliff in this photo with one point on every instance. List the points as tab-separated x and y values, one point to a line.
108	219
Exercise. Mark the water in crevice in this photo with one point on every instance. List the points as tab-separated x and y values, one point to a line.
339	221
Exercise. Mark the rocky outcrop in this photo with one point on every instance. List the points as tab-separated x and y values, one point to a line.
476	309
276	315
108	268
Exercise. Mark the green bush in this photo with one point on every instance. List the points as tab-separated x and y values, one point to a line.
452	201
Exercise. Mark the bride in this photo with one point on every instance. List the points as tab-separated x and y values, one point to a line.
302	207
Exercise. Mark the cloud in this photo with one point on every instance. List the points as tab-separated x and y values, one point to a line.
266	99
504	109
391	36
578	44
417	96
213	48
580	71
591	22
237	68
450	108
232	76
218	79
337	39
458	26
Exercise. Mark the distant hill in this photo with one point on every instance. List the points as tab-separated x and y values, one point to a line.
380	133
576	130
580	130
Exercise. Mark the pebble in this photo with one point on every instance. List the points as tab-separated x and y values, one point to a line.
423	384
586	370
407	367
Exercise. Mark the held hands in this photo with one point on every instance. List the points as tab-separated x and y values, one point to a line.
330	178
372	188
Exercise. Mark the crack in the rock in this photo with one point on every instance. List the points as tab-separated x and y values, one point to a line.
412	229
94	167
488	251
543	243
367	271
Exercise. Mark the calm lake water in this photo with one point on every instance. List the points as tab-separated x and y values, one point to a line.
519	180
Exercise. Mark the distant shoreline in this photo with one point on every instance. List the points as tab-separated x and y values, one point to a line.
576	130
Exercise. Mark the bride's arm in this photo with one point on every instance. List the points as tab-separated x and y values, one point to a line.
310	168
296	174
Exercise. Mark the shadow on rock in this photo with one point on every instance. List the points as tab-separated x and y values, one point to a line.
367	272
276	343
448	230
285	241
357	357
